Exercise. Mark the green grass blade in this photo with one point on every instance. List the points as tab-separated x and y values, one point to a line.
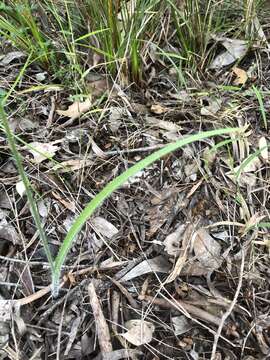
27	185
113	185
260	101
18	161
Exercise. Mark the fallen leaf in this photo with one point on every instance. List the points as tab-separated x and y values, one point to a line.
181	325
70	205
8	232
157	264
213	107
235	49
264	148
139	332
8	58
104	227
162	124
5	310
162	206
76	109
42	151
20	188
207	250
115	118
241	76
158	109
72	165
172	242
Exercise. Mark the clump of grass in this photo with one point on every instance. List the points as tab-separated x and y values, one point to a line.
130	25
195	21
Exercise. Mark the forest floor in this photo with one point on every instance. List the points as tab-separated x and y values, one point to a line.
175	264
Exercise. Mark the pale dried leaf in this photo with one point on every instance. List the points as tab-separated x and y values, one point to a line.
76	109
158	109
213	107
235	49
157	264
172	242
241	76
8	58
115	118
263	147
20	188
183	254
72	165
181	324
139	332
162	124
8	232
97	150
72	334
5	310
207	250
104	227
42	151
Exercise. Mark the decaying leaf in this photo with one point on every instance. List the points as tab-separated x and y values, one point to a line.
181	324
158	109
235	49
5	310
157	264
8	232
162	124
213	107
207	250
13	55
162	206
241	76
72	165
42	151
76	109
115	118
183	254
104	227
139	332
263	147
20	188
172	242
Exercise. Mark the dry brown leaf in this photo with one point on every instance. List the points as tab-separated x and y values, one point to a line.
173	241
6	310
158	109
183	254
241	76
72	165
42	151
99	87
76	109
157	264
162	124
104	227
139	332
163	206
263	147
207	250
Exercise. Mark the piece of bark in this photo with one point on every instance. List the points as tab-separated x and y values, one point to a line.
103	333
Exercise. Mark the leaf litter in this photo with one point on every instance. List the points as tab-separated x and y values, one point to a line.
157	267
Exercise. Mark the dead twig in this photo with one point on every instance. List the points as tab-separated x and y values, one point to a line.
190	309
103	332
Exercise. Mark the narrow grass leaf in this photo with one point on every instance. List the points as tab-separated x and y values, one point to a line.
113	185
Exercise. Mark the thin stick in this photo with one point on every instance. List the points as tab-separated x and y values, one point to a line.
230	309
